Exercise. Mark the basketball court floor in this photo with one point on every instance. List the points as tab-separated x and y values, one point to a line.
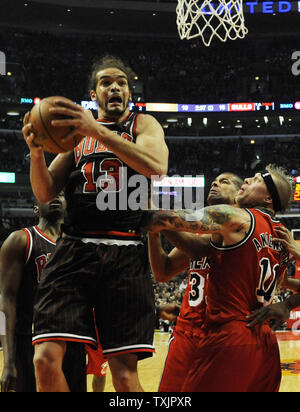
150	369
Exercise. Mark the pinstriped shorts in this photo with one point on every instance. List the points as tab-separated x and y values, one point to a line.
114	280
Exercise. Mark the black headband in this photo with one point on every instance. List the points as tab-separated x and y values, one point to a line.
272	189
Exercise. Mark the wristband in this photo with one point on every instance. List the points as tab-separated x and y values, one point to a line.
2	324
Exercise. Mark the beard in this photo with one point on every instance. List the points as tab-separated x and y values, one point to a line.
116	111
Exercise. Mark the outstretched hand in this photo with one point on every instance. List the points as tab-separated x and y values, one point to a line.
169	312
277	312
285	237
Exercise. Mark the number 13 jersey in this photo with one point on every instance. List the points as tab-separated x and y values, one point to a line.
96	169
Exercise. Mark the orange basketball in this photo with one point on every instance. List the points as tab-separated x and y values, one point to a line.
46	135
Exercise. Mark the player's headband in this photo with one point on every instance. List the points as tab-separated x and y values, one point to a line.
272	189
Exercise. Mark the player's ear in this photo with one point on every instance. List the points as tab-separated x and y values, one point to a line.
93	95
36	209
268	201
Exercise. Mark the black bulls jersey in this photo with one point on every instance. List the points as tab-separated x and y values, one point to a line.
93	166
38	251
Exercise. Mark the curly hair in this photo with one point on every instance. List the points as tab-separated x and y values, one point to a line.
106	62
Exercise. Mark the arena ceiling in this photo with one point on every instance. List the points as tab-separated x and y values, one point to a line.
130	17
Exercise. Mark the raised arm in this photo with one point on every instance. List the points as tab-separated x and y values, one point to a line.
229	222
191	245
165	266
149	156
12	260
46	182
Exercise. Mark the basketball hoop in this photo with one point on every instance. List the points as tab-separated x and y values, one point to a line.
207	19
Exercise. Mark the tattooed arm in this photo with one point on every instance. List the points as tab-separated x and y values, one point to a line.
230	222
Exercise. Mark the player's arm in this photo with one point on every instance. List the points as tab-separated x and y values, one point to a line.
149	156
223	220
169	311
191	245
165	266
278	311
289	283
12	260
46	182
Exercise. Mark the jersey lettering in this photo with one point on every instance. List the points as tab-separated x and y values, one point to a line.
40	262
268	281
111	178
88	170
111	168
89	146
266	240
199	264
196	294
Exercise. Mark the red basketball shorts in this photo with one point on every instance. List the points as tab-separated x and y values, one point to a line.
236	359
181	354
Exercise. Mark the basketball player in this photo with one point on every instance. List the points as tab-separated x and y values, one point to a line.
101	259
246	266
281	311
187	332
23	257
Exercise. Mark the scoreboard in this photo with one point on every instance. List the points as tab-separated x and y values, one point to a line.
297	189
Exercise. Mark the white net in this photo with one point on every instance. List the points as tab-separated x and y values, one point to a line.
207	19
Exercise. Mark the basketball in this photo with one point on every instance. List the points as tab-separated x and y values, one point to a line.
46	135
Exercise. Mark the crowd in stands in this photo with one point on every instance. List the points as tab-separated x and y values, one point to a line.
169	71
255	68
189	156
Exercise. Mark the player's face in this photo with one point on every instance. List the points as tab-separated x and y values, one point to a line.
222	191
254	192
53	210
112	92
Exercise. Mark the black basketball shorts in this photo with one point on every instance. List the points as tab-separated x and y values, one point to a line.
114	280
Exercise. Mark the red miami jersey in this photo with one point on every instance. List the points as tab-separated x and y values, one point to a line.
245	276
187	333
193	305
232	357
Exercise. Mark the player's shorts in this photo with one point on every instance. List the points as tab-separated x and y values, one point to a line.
97	363
182	350
115	280
234	358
